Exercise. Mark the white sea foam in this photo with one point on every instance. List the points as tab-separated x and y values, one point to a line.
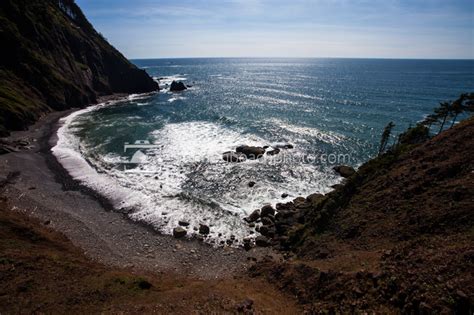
176	97
169	79
325	136
185	178
165	83
69	152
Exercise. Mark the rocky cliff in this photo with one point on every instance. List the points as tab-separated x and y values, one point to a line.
53	59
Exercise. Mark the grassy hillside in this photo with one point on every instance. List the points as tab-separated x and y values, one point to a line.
398	237
53	59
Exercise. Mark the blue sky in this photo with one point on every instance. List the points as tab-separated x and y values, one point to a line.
291	28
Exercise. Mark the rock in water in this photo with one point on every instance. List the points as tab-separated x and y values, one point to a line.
285	146
179	232
177	86
344	170
273	152
233	157
254	216
204	229
251	153
267	210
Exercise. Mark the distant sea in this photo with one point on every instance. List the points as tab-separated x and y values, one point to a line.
334	108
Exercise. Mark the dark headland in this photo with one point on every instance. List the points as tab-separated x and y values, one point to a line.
396	237
53	59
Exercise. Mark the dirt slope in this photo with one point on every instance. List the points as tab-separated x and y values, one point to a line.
42	272
397	238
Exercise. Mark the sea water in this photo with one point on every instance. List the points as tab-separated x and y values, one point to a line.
332	111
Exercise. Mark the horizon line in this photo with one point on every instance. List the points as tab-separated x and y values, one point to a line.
260	57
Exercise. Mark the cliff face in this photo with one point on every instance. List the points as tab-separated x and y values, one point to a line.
53	59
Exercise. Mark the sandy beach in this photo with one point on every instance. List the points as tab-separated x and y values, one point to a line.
43	189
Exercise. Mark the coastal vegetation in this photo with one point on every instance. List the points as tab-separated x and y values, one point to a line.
370	244
450	111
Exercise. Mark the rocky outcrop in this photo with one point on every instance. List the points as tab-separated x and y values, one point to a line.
273	152
251	152
344	170
53	59
254	216
177	86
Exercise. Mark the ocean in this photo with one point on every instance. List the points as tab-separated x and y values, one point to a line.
332	111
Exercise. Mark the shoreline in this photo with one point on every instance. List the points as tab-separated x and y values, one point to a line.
45	190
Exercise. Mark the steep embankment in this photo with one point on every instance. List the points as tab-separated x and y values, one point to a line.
53	59
43	272
397	237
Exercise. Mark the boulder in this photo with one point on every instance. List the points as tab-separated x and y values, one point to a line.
266	230
284	195
298	201
204	229
314	198
285	146
183	223
233	157
247	246
179	232
254	216
267	210
267	220
262	241
250	152
344	170
282	214
273	152
251	184
177	86
285	206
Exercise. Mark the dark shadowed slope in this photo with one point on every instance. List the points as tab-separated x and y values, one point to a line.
398	237
53	59
43	272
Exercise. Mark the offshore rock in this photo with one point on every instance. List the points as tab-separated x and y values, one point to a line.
177	86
